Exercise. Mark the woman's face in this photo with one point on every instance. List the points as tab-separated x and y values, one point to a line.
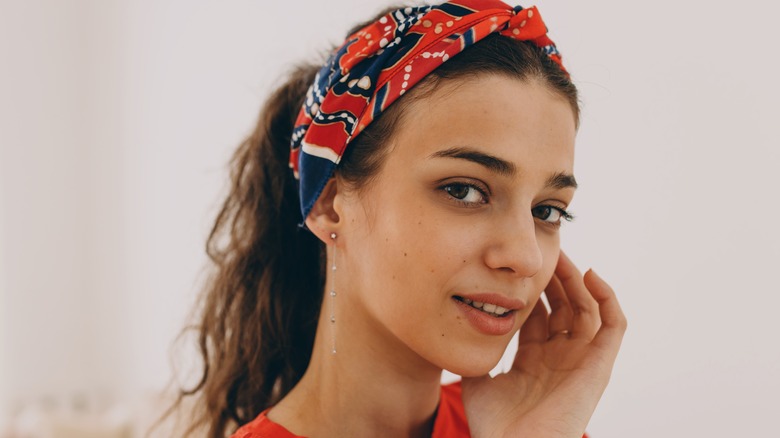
467	206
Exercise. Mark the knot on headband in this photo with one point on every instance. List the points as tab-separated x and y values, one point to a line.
379	63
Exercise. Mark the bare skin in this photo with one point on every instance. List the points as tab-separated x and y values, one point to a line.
437	224
562	365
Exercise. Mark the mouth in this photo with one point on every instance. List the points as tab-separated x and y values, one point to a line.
488	308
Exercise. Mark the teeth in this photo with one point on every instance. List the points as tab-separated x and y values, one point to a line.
486	307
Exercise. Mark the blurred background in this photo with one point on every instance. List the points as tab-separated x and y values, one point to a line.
117	120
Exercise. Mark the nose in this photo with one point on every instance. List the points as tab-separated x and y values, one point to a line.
514	247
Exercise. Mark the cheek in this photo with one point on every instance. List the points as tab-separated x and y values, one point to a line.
417	246
550	246
410	258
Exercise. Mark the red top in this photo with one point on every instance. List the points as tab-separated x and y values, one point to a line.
450	420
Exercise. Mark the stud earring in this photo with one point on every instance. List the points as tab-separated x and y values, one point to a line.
333	297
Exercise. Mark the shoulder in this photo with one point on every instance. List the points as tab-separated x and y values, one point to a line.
262	427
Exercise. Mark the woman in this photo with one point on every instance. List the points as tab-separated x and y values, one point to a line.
432	165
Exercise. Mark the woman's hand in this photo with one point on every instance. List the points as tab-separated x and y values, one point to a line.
563	363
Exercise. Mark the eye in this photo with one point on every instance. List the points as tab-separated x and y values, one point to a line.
467	194
550	214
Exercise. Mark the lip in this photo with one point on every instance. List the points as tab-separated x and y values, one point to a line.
485	323
497	299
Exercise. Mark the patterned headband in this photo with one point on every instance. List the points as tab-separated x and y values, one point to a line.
379	63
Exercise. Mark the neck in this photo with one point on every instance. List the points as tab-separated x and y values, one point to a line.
372	386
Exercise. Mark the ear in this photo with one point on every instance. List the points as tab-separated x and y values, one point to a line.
324	217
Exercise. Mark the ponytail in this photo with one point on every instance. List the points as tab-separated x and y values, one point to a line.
259	310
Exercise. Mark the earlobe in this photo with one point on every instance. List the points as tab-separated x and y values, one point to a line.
323	219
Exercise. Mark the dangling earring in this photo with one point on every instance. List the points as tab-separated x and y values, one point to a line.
333	297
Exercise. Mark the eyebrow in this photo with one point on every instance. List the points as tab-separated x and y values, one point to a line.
560	180
495	164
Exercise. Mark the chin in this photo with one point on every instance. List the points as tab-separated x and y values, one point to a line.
477	362
471	370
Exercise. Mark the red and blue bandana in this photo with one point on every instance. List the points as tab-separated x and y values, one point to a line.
379	63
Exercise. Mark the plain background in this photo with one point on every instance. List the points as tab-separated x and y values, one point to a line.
117	120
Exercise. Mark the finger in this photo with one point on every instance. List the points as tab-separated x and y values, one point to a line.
534	329
586	319
613	321
560	320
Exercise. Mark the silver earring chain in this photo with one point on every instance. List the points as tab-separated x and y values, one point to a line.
333	297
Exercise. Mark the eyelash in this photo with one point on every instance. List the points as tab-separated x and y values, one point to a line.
565	215
468	204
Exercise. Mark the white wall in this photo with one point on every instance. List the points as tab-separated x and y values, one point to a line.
117	119
45	184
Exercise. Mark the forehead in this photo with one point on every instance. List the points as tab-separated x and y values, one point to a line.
523	122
